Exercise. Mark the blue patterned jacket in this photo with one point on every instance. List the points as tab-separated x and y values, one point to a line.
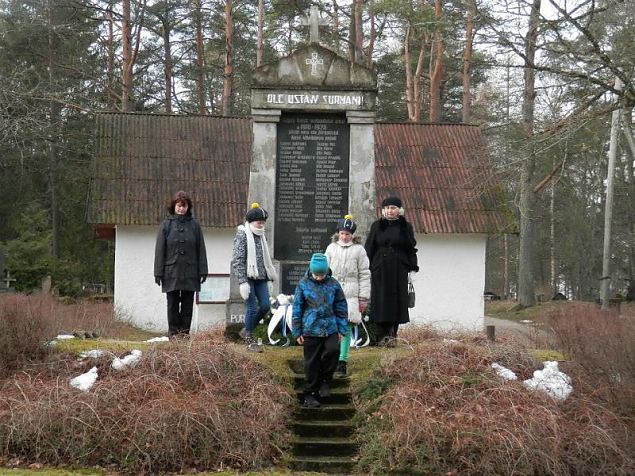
319	307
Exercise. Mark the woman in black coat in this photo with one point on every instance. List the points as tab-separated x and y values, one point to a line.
180	262
390	246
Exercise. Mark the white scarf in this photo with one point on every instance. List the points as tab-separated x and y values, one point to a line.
252	265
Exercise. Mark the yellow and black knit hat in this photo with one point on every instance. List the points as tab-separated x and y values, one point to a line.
346	224
256	213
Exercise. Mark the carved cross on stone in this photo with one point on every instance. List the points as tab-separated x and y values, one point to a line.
314	22
314	61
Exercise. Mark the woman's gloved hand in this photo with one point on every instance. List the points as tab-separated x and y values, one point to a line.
203	278
245	290
158	280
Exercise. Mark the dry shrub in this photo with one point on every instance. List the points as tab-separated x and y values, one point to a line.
24	327
54	317
184	405
447	412
602	347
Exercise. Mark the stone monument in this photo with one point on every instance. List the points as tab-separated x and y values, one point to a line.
313	152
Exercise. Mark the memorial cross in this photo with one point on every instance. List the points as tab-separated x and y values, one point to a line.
7	280
314	22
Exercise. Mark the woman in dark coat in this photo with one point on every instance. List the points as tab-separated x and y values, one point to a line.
390	246
180	262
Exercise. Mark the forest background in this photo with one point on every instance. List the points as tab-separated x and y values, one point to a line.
544	79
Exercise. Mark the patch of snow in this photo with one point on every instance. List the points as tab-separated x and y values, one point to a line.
65	336
504	372
129	359
92	354
526	321
551	380
85	381
158	339
451	341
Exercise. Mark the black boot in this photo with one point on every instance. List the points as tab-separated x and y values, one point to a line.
341	368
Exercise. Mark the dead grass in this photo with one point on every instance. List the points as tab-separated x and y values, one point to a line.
442	410
197	404
602	347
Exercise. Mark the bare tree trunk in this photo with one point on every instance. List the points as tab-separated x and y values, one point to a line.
552	239
200	68
126	78
336	25
505	267
418	83
260	47
228	83
55	112
409	76
167	70
351	36
438	72
372	36
605	285
467	63
359	30
526	286
110	61
630	172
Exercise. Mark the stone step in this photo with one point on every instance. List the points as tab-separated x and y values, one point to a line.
337	382
323	428
323	464
338	395
336	411
333	446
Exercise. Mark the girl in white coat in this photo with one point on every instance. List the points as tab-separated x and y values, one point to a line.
349	264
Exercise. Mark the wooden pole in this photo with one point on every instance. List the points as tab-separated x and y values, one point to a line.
491	333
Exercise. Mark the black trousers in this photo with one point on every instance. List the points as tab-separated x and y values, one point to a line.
320	360
180	304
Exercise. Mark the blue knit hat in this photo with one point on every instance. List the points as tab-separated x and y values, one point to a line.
319	264
347	224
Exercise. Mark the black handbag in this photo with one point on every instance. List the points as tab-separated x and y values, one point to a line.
411	295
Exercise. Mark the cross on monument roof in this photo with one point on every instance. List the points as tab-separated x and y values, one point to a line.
314	22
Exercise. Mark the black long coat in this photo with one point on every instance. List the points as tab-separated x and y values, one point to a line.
180	258
390	246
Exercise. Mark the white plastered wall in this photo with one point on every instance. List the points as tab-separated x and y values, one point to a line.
139	300
449	286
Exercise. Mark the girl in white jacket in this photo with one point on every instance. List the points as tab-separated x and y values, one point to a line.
349	264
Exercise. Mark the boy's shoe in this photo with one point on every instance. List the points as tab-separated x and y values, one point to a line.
311	402
325	390
341	368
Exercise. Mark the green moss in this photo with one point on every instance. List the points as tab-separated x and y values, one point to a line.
549	354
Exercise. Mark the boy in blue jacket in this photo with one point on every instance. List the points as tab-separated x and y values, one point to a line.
320	320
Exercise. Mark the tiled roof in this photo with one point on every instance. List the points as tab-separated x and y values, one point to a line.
441	173
143	159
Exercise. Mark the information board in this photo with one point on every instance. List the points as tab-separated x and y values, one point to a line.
312	174
214	290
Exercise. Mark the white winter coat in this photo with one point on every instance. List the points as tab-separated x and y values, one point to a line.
350	266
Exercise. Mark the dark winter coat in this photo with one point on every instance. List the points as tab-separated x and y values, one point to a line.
179	255
319	307
390	246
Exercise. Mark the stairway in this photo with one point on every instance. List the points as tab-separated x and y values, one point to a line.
323	439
